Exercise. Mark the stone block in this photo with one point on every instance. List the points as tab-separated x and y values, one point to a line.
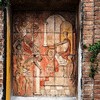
60	73
59	81
50	82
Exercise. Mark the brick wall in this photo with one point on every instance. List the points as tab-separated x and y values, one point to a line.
97	38
1	53
91	34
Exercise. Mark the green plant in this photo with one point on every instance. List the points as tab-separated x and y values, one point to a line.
84	46
94	49
93	70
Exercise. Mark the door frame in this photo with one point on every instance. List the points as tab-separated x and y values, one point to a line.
8	56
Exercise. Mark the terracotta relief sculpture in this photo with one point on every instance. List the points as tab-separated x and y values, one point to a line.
43	56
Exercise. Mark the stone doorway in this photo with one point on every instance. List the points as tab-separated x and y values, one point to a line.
44	57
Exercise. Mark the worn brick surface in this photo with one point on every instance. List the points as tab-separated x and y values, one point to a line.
91	34
1	53
88	33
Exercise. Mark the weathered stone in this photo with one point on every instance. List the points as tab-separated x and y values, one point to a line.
59	87
60	72
50	82
59	81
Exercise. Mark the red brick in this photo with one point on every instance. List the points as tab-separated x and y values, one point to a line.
86	73
88	22
1	71
86	37
88	31
0	85
88	91
97	8
1	75
97	76
97	96
97	31
89	13
87	99
96	87
97	91
1	40
86	68
89	88
88	27
88	4
88	9
97	18
88	18
97	82
85	76
88	42
86	96
88	1
97	0
87	82
97	22
97	36
96	40
97	13
1	62
1	80
97	4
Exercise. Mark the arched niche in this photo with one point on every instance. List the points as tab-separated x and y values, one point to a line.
44	56
54	27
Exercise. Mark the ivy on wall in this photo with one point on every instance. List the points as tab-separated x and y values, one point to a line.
94	50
